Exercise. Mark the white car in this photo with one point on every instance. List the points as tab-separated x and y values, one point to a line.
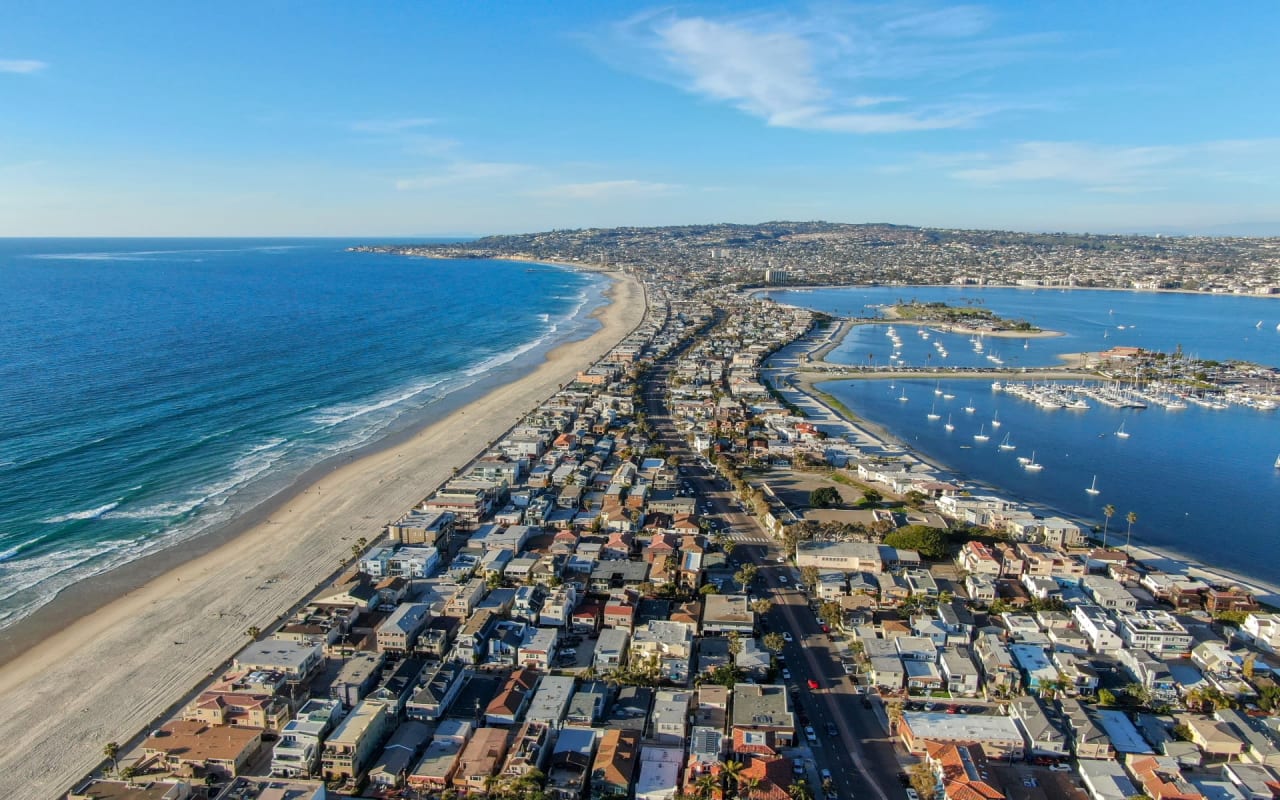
811	734
786	674
911	795
782	579
786	636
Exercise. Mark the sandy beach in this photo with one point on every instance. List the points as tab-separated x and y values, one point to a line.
115	669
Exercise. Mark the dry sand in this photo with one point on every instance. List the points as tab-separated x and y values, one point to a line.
113	672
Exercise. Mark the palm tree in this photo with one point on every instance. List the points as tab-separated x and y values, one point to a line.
253	632
1131	518
112	751
799	790
747	787
732	770
1108	511
706	786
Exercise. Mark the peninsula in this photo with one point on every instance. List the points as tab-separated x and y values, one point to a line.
661	565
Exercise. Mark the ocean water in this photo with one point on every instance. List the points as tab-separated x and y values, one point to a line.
1202	482
152	389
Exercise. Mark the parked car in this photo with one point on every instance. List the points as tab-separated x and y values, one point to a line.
813	684
811	734
912	795
797	766
786	636
826	775
786	674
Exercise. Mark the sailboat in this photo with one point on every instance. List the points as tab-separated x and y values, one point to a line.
1033	465
981	435
1277	462
903	396
949	426
933	412
969	409
995	419
1005	444
1093	487
937	389
1121	432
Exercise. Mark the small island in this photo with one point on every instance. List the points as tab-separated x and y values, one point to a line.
964	320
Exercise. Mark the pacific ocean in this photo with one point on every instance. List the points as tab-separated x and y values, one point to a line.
151	390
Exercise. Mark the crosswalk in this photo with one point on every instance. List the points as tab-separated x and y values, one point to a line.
745	538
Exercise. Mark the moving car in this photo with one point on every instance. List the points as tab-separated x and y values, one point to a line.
811	734
813	684
786	636
832	730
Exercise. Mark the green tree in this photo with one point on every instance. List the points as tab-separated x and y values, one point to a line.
253	632
824	497
928	542
1108	511
831	613
746	574
129	773
809	576
773	642
1106	697
922	779
1131	518
762	606
870	497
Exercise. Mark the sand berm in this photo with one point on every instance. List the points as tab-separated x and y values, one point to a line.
112	671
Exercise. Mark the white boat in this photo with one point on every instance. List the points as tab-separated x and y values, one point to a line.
1024	460
1259	325
995	419
969	409
1005	444
996	386
1277	462
937	389
933	413
981	435
949	426
1121	432
903	397
1033	465
948	396
1093	487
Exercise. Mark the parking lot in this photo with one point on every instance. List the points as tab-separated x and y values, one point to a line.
1028	782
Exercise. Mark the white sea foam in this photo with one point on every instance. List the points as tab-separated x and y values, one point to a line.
92	513
349	411
255	461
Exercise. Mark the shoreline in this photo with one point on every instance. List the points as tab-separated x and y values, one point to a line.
1167	559
806	288
892	315
134	645
95	591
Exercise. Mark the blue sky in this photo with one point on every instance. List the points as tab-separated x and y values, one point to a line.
384	119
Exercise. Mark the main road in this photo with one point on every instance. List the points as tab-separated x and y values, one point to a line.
862	758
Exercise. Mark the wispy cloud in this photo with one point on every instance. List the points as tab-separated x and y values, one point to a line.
1115	169
21	66
812	71
604	190
462	172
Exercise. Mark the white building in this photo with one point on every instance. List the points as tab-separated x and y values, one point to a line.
1096	625
1156	631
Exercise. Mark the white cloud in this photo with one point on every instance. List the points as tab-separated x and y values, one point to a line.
812	72
1115	169
462	172
604	190
22	66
